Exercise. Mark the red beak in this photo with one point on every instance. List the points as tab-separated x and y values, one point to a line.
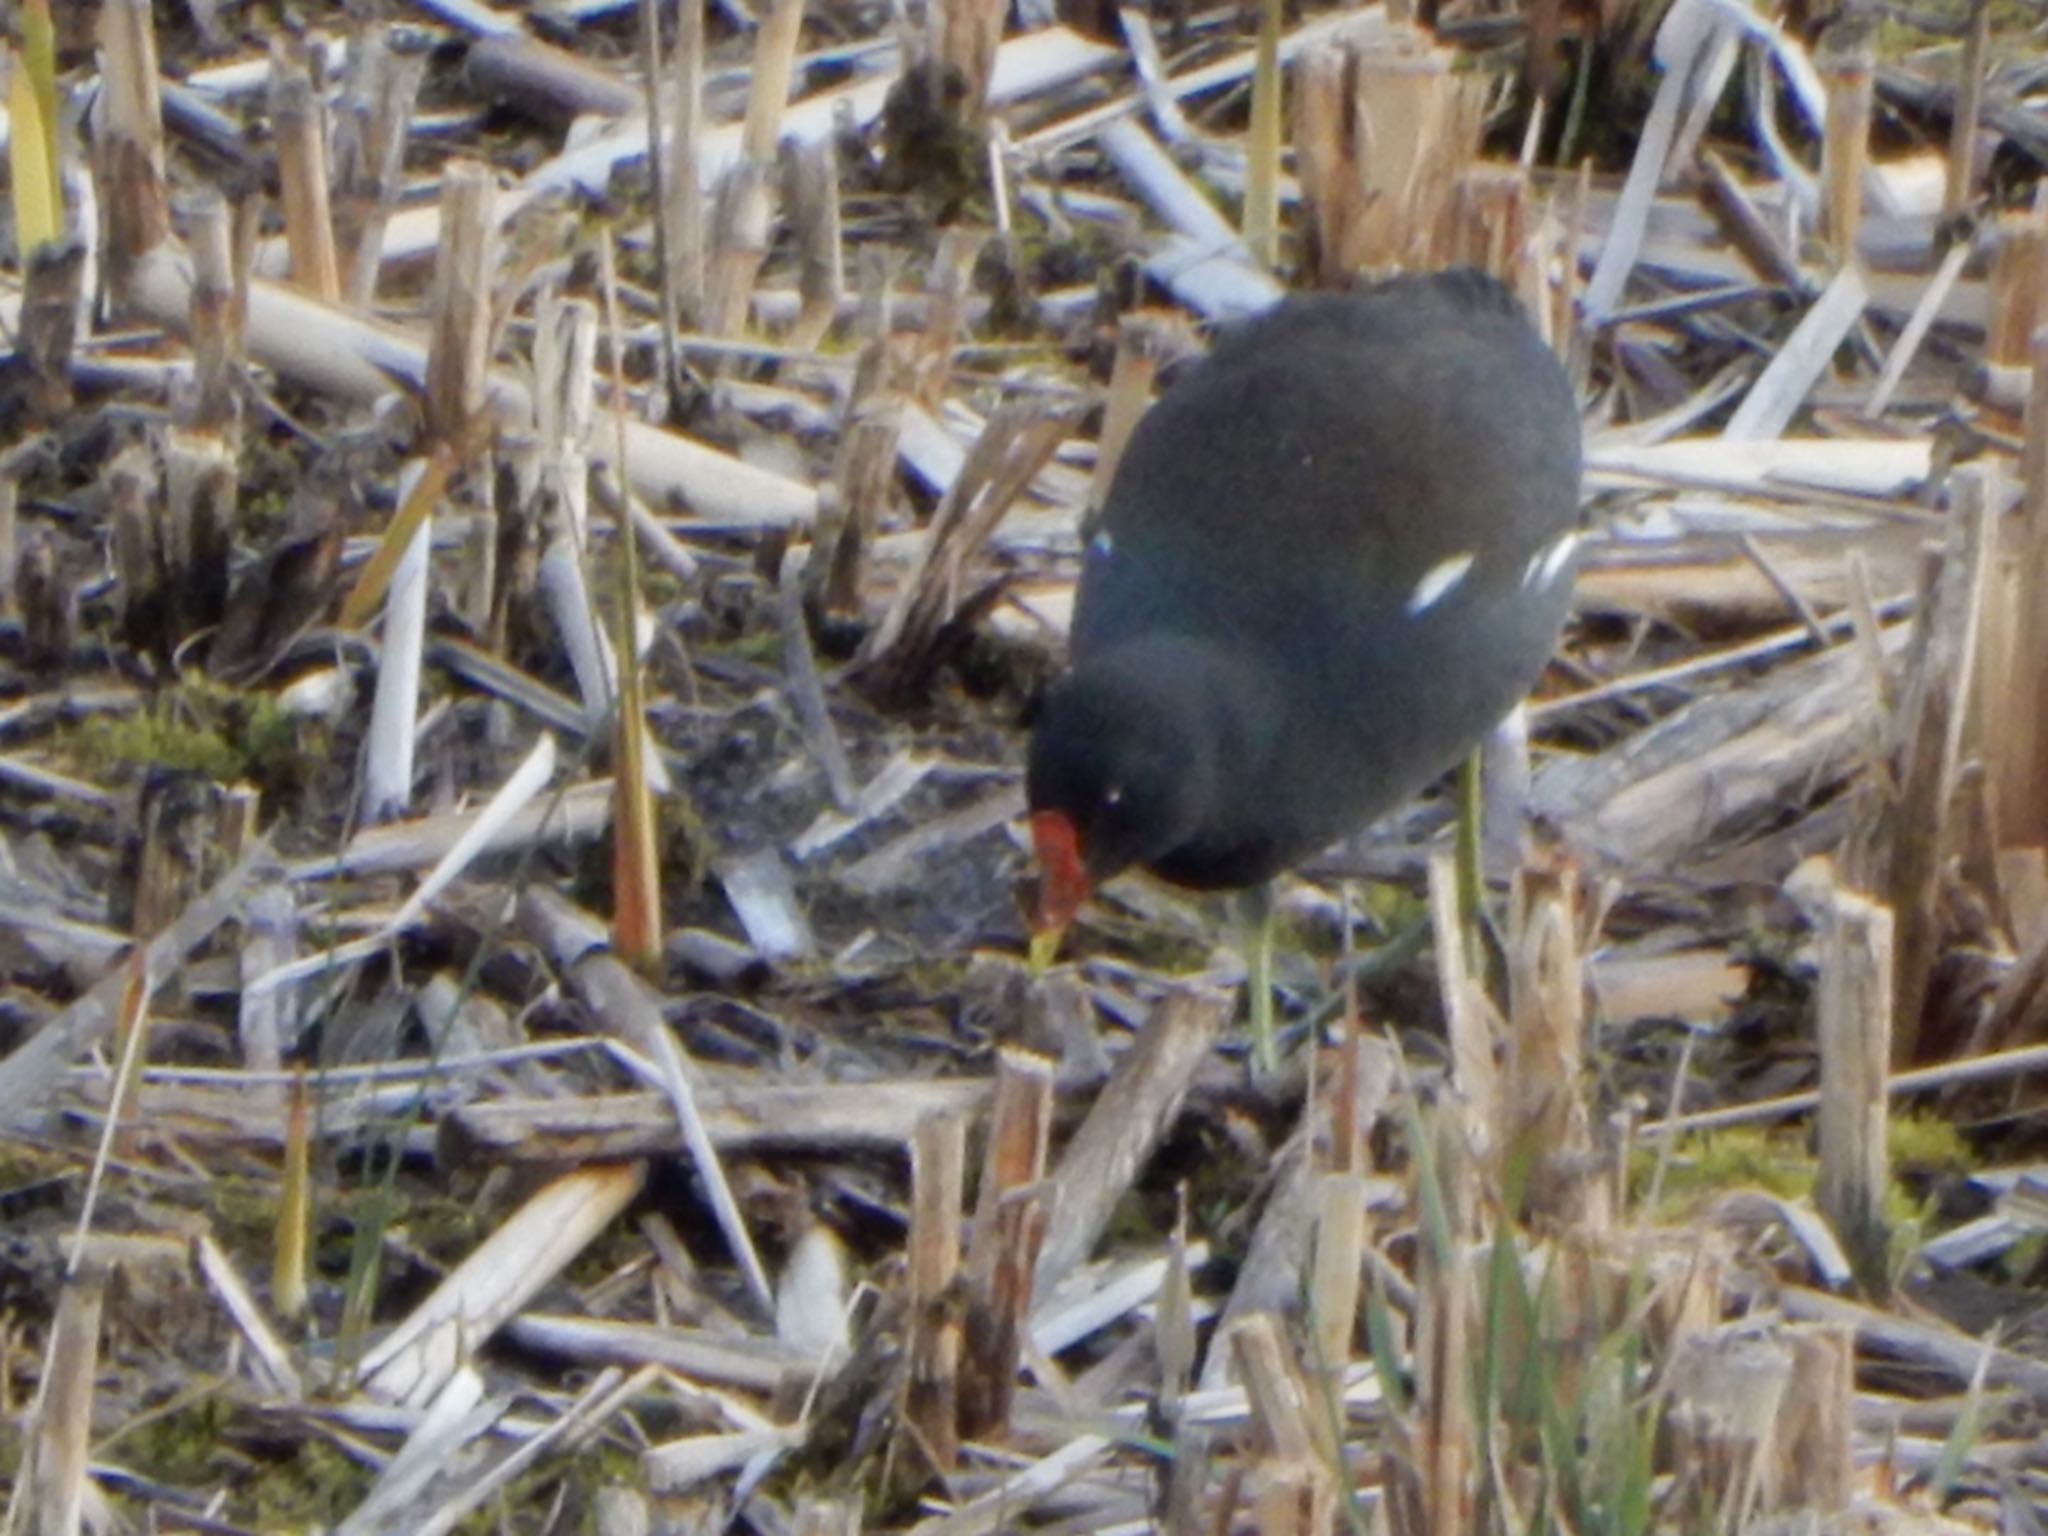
1063	882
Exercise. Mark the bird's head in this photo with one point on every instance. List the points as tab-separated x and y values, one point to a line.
1120	774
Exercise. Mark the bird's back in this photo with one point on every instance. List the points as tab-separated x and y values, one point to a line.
1364	495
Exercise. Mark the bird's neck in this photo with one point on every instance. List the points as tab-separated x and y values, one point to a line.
1218	705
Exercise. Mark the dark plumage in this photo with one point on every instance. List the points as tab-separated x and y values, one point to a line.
1334	555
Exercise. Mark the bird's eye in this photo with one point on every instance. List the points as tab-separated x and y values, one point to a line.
1114	795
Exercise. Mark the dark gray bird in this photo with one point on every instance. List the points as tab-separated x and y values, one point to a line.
1335	554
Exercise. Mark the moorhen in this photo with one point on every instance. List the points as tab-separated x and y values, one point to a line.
1335	554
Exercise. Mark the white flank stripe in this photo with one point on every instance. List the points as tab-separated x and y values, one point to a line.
1438	580
1558	557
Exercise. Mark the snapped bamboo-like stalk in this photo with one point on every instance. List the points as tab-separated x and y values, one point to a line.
2019	275
1847	60
10	545
661	186
131	486
2020	750
465	269
1128	1119
1262	145
385	68
744	209
200	491
1854	1030
1009	1225
130	170
938	1173
299	122
636	858
1470	1019
1906	843
863	480
1384	127
1447	1298
1130	392
1488	226
388	744
1547	1117
1293	1490
1011	450
964	51
684	205
63	1421
810	196
742	221
48	336
564	364
1816	1439
1959	188
288	1270
947	286
216	318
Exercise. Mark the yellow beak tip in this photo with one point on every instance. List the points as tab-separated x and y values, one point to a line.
1045	948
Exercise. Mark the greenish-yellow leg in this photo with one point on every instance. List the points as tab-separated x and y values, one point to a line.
1254	909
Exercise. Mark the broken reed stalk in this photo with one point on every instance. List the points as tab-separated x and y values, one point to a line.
1547	1120
1847	60
773	68
1905	844
50	308
129	173
62	1440
1854	1028
1130	392
1959	189
636	860
1745	224
1018	440
684	204
938	1174
1010	1217
969	33
215	323
864	472
1384	125
458	364
1128	1119
300	125
1447	1298
742	220
131	487
46	598
1294	1491
810	196
1760	1425
661	187
744	209
465	267
10	546
1337	1273
565	364
1469	1017
2021	750
1261	225
1488	226
948	285
2019	275
289	1293
1816	1437
385	68
200	496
